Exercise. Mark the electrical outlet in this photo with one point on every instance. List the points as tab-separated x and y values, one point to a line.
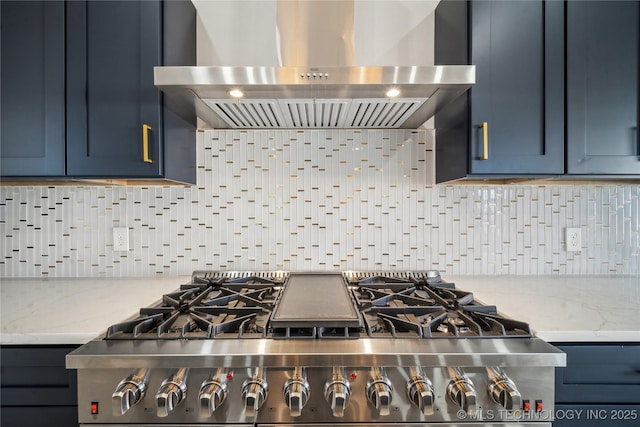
574	240
120	239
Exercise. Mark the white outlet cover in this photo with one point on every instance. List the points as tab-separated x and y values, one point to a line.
574	240
120	239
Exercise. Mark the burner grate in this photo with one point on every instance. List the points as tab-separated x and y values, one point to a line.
213	306
421	305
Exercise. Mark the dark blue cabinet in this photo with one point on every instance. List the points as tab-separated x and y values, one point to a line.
36	389
115	123
32	127
600	386
518	51
512	121
603	87
118	125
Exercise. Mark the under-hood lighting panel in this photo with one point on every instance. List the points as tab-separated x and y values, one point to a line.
392	93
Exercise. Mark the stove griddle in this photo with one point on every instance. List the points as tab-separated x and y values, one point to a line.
316	304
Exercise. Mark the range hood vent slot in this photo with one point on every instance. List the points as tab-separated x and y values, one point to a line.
381	113
315	113
252	114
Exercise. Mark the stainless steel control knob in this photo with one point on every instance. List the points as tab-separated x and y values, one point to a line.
337	392
172	391
254	393
380	391
503	390
213	392
461	391
296	392
420	391
130	391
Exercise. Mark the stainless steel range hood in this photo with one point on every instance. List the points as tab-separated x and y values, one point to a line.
298	93
297	97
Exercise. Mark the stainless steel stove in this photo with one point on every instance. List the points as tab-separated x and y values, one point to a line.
350	348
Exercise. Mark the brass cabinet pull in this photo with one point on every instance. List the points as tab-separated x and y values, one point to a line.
485	140
145	143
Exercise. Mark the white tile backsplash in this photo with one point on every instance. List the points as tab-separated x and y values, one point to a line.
318	200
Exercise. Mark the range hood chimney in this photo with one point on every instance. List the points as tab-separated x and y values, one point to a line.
314	80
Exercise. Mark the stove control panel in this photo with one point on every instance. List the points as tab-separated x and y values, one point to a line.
317	394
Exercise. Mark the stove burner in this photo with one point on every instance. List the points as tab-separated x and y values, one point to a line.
427	307
384	297
407	322
211	307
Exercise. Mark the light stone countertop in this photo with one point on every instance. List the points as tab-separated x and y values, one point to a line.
73	311
559	309
564	308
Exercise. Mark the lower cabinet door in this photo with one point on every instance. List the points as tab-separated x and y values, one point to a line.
36	388
600	386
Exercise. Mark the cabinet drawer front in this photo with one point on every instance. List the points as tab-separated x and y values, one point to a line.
599	374
37	376
58	416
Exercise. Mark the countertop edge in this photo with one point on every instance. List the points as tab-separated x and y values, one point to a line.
589	336
62	338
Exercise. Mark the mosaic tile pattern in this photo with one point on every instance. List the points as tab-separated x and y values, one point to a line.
318	200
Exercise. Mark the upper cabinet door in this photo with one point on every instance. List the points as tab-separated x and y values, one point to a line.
32	88
603	87
113	105
517	47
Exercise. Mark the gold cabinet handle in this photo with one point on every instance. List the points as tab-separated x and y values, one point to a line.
145	143
485	140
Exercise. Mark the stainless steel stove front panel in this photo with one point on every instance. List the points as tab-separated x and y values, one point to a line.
315	352
97	385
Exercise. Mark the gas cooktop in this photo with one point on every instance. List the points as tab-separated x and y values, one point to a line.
318	305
